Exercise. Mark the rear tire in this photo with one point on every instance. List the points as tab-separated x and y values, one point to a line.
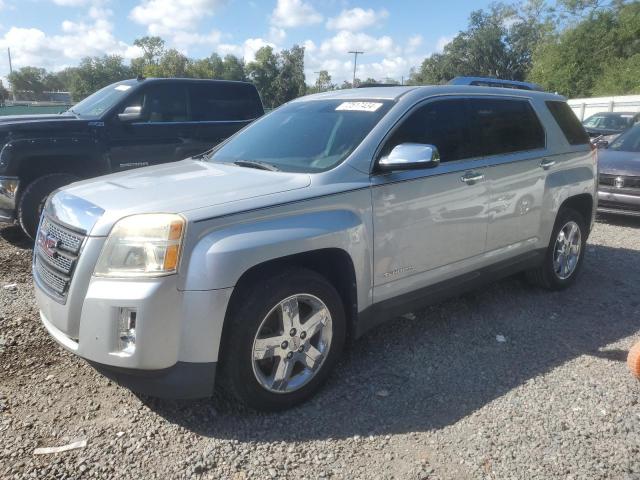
34	196
564	256
261	340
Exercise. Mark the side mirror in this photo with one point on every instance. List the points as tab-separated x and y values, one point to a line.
409	156
131	114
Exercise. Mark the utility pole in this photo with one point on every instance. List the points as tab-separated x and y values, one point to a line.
13	93
355	64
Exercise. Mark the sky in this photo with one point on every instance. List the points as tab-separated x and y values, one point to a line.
395	35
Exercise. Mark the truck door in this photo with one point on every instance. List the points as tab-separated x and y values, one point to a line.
163	133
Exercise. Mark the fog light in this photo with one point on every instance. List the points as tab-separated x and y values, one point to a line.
127	330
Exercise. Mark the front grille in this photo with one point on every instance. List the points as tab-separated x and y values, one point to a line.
609	205
619	181
56	254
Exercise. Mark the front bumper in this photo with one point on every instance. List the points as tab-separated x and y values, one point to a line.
8	189
177	334
619	203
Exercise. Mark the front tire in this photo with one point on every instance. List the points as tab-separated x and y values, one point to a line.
564	256
35	194
282	342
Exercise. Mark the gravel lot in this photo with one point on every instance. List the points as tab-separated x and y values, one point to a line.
431	395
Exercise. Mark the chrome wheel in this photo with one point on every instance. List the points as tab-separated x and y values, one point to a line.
566	252
291	344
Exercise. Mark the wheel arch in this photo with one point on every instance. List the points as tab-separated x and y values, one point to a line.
583	204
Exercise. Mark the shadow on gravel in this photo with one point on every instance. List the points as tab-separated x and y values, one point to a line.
15	236
427	372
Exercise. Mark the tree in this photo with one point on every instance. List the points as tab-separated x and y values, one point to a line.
290	82
153	49
29	79
497	43
593	56
93	73
4	93
172	63
263	72
233	68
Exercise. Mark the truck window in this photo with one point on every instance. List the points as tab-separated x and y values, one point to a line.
573	131
441	123
162	103
505	126
224	102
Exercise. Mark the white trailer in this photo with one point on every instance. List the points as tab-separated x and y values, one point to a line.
585	107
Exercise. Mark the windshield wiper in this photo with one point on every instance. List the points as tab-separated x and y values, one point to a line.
256	164
204	154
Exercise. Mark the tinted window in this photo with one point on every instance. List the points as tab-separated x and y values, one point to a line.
504	126
442	123
162	103
628	141
573	130
307	136
102	100
224	102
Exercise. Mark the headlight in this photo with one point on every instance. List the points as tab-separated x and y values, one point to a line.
145	245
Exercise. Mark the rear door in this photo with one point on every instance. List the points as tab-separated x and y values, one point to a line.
163	134
430	224
512	141
221	109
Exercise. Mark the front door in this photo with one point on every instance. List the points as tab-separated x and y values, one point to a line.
429	224
163	134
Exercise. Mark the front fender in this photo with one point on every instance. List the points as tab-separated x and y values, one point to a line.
220	257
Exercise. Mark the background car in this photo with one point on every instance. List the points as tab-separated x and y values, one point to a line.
129	124
619	184
610	123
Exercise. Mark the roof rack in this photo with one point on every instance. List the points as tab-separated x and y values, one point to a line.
495	82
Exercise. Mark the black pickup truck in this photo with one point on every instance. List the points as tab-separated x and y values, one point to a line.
129	124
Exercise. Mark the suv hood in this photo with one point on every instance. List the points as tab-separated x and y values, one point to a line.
615	162
172	188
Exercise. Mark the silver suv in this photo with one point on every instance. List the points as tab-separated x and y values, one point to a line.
255	263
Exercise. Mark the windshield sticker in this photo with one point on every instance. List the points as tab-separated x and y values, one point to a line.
123	88
359	106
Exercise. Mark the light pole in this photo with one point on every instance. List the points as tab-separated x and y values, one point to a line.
355	64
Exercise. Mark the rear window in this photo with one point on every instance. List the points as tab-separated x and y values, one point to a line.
573	130
505	126
224	102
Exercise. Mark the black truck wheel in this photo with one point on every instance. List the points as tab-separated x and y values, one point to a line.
33	197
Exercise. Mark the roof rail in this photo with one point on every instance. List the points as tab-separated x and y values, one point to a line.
495	82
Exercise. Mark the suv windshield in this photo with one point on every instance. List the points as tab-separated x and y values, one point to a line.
101	101
309	136
628	141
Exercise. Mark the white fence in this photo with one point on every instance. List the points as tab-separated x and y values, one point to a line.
585	107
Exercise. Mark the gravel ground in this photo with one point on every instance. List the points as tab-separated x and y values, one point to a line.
504	382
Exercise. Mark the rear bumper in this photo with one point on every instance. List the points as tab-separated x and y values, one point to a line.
184	380
8	188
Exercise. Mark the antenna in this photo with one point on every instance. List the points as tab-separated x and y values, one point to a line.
355	64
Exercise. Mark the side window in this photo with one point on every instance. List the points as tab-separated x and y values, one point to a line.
442	123
573	131
223	102
505	126
162	103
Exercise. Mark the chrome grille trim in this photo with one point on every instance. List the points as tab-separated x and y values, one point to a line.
628	181
55	256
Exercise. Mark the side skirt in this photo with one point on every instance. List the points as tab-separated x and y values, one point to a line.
380	312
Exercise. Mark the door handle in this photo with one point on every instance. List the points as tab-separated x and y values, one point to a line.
472	177
547	164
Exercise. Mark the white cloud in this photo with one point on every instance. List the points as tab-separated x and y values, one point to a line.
31	46
277	35
414	43
357	19
344	41
246	50
167	17
294	13
442	42
70	3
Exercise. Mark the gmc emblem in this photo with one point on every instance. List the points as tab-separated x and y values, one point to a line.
48	244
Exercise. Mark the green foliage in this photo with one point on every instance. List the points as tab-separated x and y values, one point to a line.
497	43
4	93
93	73
597	56
279	77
